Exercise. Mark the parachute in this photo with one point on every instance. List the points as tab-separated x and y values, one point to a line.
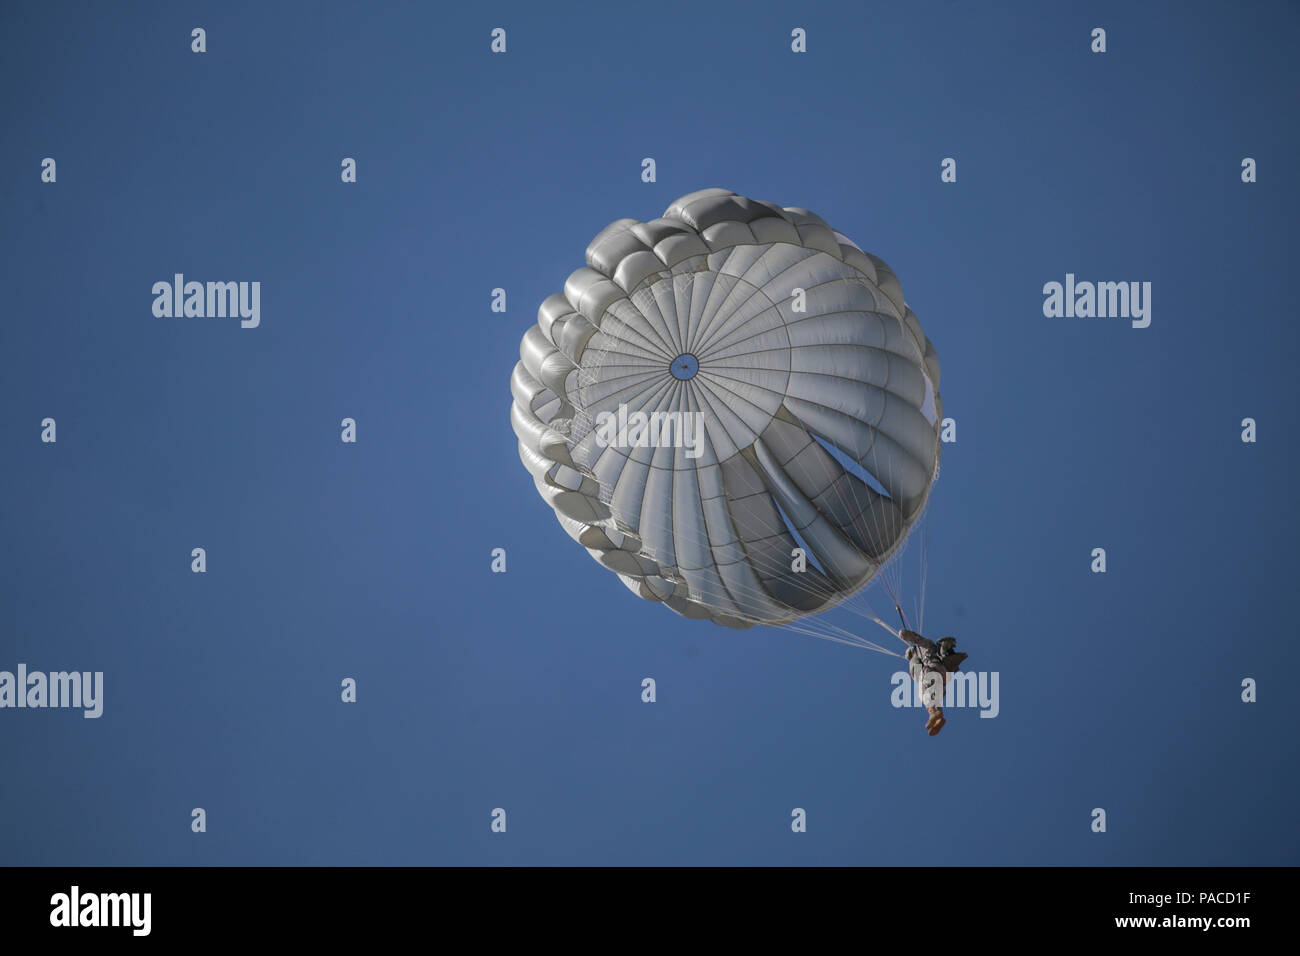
732	408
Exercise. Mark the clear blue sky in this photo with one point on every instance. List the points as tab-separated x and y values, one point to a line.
476	690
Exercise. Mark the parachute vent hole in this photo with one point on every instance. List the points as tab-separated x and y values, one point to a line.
684	367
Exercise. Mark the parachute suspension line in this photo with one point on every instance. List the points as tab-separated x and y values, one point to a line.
892	579
825	630
823	627
816	626
770	565
889	569
854	641
925	571
860	516
813	626
888	628
893	575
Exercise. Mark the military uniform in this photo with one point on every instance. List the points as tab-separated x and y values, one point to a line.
930	663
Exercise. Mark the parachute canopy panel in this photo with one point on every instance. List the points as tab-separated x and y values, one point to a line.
721	386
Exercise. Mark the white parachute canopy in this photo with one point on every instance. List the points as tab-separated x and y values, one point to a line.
790	401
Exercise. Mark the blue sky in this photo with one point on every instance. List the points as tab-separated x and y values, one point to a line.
521	691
